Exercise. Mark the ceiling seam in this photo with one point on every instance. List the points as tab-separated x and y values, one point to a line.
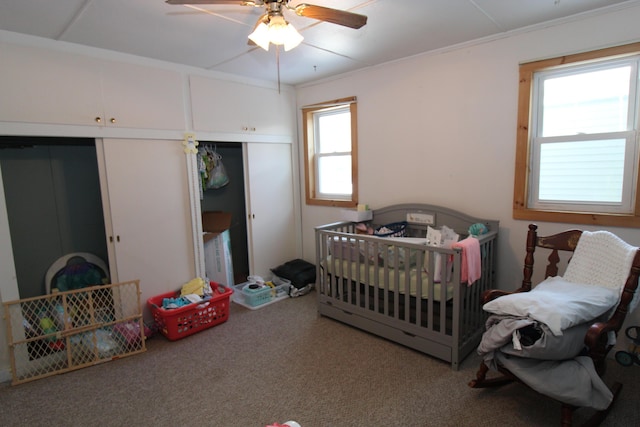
212	13
485	13
74	18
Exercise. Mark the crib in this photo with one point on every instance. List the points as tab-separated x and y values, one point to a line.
402	289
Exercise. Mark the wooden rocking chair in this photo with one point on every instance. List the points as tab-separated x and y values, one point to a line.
596	340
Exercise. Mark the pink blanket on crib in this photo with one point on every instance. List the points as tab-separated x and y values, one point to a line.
470	260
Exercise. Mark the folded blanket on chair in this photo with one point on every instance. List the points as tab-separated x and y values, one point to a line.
558	303
525	337
602	259
548	363
574	381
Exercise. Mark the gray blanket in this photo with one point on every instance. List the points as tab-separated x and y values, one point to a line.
548	364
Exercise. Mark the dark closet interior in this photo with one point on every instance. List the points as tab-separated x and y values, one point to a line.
54	204
231	198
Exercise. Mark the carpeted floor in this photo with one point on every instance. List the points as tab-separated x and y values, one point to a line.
284	362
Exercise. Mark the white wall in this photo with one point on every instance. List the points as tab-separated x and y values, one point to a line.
440	128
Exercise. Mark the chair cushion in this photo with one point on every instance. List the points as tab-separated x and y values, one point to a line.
557	303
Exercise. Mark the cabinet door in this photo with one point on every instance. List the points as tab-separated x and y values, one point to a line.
229	107
270	112
142	97
270	206
216	105
44	86
147	209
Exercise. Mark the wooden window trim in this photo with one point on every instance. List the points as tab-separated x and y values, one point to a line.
309	164
520	195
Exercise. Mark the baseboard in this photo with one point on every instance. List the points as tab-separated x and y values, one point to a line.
5	375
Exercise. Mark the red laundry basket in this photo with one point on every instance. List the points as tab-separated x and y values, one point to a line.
181	322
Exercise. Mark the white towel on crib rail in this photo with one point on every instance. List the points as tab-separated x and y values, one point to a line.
470	260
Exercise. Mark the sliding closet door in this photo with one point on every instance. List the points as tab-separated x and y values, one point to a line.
147	208
270	206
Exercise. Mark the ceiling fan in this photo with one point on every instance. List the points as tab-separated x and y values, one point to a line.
272	26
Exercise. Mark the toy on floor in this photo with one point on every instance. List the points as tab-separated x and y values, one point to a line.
49	327
287	424
627	358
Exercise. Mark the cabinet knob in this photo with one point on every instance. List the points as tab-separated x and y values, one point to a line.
253	129
98	119
245	128
112	120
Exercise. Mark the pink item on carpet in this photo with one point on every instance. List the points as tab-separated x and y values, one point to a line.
471	263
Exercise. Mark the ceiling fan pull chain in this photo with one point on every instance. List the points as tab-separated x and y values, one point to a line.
278	65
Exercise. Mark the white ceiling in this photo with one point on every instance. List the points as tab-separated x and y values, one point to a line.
215	37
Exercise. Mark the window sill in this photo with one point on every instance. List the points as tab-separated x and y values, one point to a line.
614	220
334	203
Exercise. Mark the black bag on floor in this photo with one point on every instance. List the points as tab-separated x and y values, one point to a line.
301	273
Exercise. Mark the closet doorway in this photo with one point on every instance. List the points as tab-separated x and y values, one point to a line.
231	198
54	204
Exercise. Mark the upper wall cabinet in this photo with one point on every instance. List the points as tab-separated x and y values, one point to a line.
136	96
229	107
47	86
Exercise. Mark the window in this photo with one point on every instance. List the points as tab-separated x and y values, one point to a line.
330	154
577	153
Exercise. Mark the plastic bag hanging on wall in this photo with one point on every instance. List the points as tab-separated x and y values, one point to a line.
217	176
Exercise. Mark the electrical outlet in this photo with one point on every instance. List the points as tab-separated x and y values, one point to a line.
421	218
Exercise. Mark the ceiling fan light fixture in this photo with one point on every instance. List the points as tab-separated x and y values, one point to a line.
292	37
260	36
278	31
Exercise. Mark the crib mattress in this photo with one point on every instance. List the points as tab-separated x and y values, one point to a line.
377	276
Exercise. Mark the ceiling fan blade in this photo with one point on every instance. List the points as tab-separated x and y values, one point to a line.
335	16
236	2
